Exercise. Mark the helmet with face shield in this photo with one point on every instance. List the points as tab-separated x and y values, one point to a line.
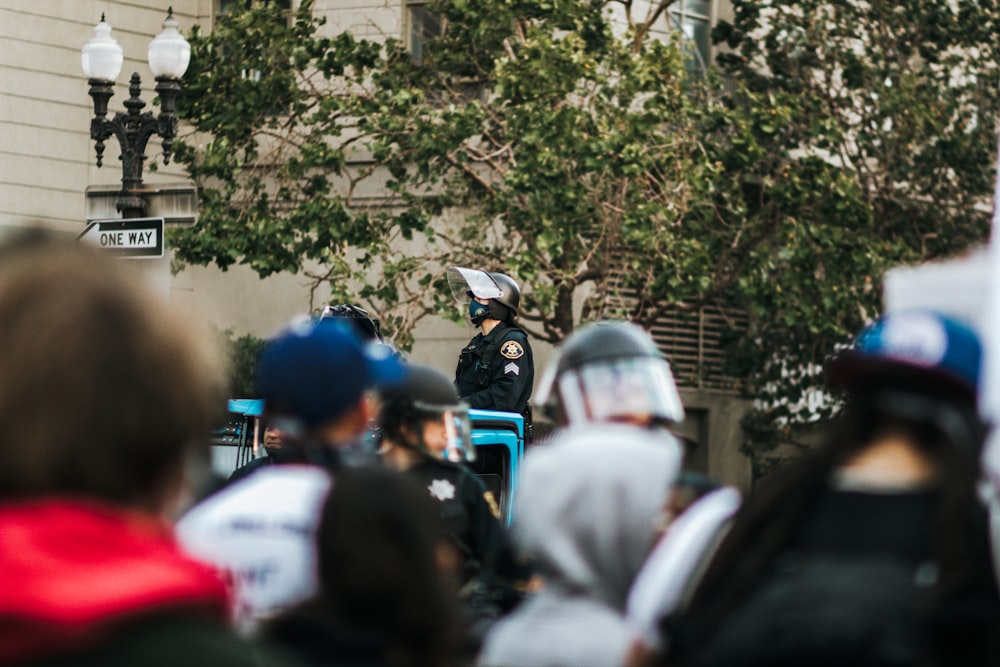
423	413
609	372
500	291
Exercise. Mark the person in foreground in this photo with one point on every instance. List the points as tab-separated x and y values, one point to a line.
612	372
383	600
589	510
872	549
317	379
103	398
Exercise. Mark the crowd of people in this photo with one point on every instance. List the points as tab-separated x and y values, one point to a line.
362	537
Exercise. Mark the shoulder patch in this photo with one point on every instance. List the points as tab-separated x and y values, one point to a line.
492	502
512	349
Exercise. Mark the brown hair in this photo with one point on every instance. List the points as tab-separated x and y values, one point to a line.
102	392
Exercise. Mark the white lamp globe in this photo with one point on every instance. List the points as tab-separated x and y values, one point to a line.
102	56
169	53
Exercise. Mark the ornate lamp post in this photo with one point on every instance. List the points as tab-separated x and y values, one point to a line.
168	56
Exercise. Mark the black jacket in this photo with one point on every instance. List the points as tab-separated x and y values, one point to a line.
314	638
856	585
468	514
169	640
496	371
249	468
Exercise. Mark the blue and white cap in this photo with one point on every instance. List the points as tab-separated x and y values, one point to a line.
314	371
917	344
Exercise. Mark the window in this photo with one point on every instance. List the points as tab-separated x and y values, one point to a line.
424	25
694	19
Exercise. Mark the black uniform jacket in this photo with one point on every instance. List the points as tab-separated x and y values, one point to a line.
470	516
496	371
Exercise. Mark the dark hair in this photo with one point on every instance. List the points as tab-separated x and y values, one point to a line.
377	545
778	509
102	391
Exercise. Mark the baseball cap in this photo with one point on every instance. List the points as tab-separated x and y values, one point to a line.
316	370
915	345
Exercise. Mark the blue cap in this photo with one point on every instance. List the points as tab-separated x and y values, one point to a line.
913	343
315	371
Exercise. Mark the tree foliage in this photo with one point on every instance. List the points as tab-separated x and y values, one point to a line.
538	139
879	151
241	354
566	143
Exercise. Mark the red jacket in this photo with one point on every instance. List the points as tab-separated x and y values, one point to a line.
73	570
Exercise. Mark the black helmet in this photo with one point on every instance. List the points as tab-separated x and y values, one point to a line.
358	318
510	293
426	394
498	287
609	371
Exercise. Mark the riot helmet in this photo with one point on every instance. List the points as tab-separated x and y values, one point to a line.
510	292
501	290
315	371
424	413
367	327
919	366
609	371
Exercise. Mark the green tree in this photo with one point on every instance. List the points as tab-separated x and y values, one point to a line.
875	124
565	143
536	138
241	355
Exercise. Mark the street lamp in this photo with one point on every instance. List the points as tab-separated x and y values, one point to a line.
168	56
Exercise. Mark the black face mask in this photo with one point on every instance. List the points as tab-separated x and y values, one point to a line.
478	312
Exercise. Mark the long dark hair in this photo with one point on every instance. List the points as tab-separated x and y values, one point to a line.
771	517
377	545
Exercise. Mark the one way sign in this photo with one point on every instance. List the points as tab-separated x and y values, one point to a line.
135	237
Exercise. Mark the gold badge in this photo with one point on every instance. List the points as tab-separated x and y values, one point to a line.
492	502
512	350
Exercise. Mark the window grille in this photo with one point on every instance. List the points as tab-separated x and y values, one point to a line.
693	341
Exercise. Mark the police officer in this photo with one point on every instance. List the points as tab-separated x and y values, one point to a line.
426	434
610	372
495	370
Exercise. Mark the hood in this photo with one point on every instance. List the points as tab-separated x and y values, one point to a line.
589	504
71	569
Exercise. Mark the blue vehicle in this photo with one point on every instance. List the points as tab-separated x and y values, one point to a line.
498	438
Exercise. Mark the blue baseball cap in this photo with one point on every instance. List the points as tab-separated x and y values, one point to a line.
314	371
917	344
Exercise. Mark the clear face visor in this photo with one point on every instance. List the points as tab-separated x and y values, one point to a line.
448	433
464	282
638	388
